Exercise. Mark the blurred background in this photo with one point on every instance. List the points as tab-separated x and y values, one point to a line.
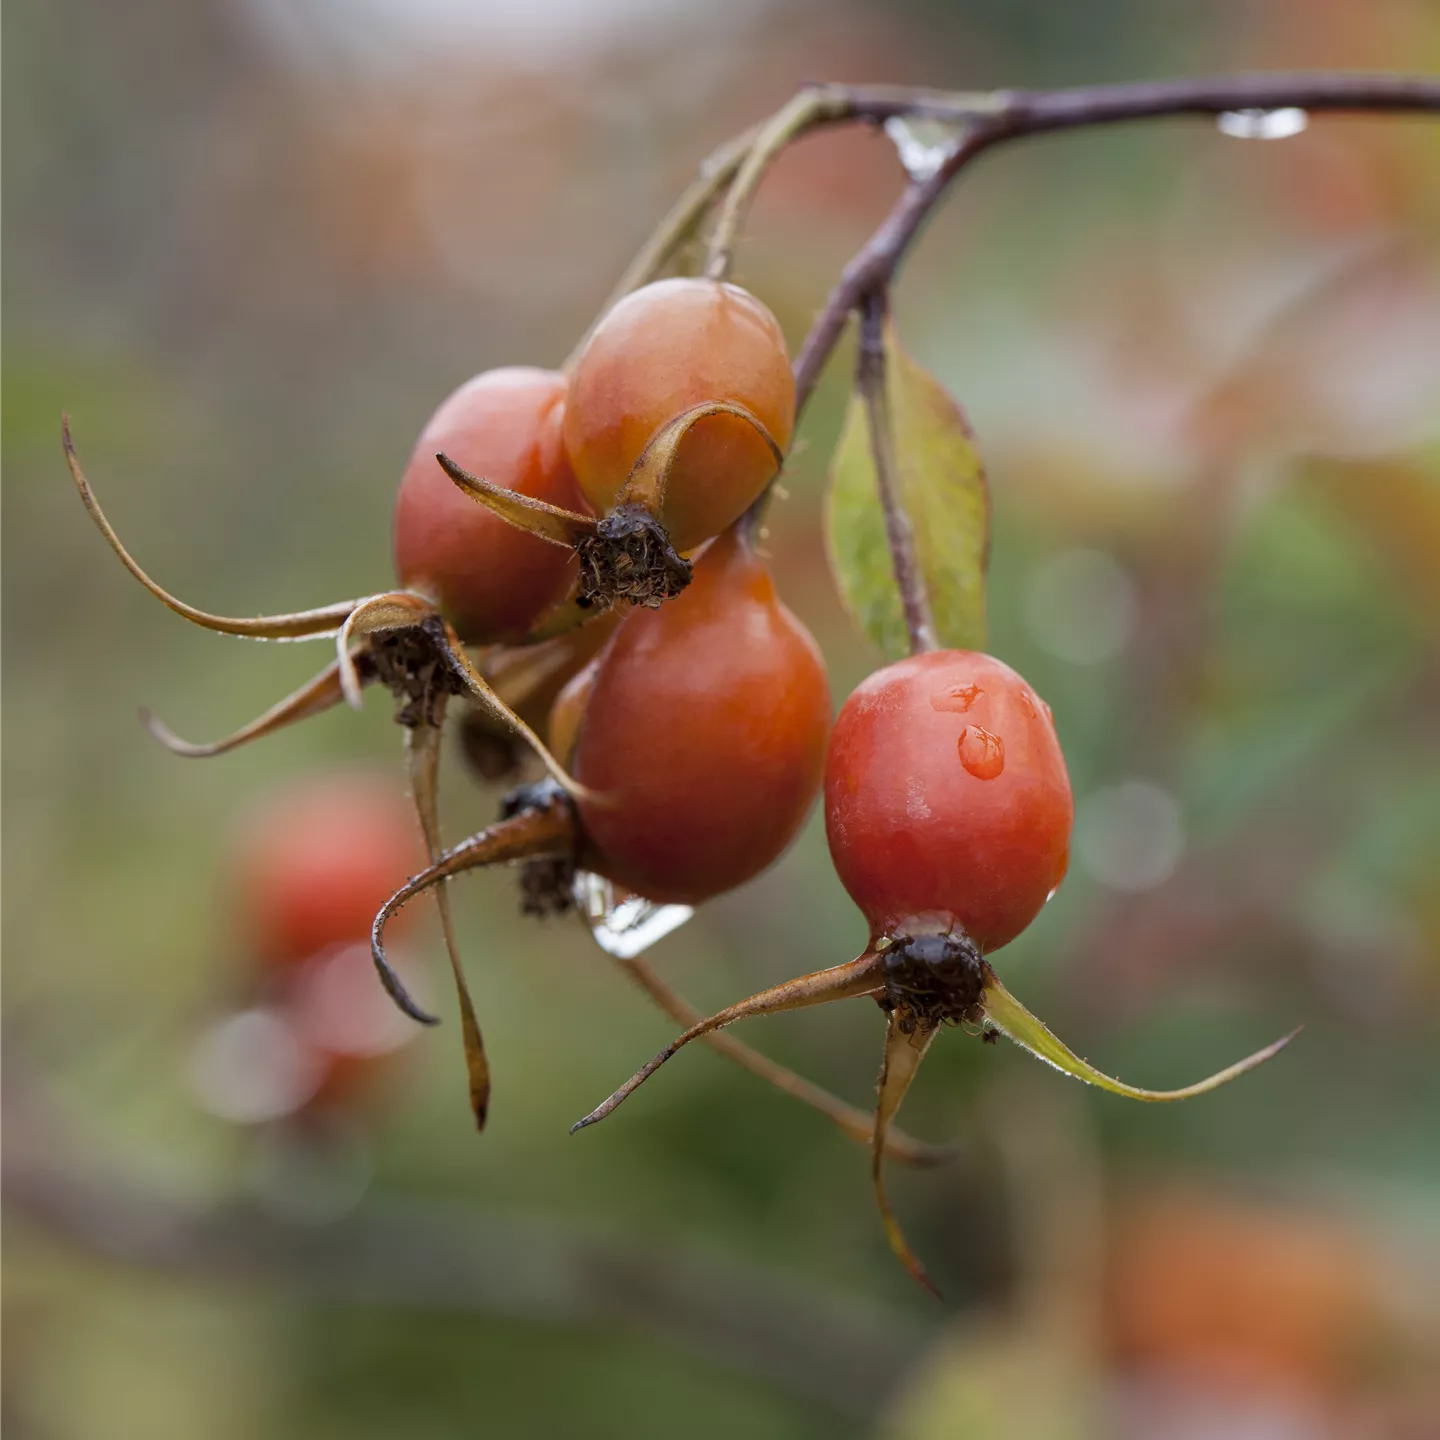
250	244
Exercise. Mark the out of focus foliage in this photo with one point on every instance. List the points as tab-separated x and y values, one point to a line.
248	246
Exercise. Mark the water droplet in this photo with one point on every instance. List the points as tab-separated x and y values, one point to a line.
922	145
955	698
627	926
981	753
1027	703
1262	124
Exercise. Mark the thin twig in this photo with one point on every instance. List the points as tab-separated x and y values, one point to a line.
870	385
1012	115
813	106
682	221
985	118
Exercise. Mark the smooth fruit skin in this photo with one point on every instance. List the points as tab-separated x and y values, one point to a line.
490	580
660	351
703	735
314	864
947	799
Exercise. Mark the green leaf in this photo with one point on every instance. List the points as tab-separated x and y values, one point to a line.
1010	1017
941	485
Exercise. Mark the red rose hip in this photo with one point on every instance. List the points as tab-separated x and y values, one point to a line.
700	734
490	580
947	802
661	350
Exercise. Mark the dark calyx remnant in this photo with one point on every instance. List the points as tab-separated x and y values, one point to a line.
934	979
630	557
547	886
414	664
491	750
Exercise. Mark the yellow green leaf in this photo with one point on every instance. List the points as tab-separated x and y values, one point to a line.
941	485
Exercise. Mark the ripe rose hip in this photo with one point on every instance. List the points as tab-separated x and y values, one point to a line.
947	802
315	863
661	350
701	735
489	579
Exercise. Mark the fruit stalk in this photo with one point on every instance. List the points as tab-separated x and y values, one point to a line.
870	384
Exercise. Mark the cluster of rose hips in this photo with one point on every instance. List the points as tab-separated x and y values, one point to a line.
594	531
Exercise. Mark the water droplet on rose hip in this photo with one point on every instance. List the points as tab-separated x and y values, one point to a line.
1262	124
981	753
1027	703
955	699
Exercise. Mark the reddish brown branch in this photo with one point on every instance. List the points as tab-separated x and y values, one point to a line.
870	385
1011	115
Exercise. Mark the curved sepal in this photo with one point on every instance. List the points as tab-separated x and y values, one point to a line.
394	610
645	485
535	517
301	625
316	696
483	695
1007	1015
907	1038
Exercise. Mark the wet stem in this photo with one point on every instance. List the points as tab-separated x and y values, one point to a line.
870	383
982	121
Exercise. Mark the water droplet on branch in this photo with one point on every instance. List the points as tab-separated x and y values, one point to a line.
1263	124
922	145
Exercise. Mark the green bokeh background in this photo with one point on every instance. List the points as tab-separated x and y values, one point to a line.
249	247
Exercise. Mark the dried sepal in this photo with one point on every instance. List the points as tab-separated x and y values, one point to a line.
627	554
314	697
854	1122
535	517
394	610
299	625
485	698
422	766
861	976
907	1038
1007	1015
568	613
649	476
529	835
